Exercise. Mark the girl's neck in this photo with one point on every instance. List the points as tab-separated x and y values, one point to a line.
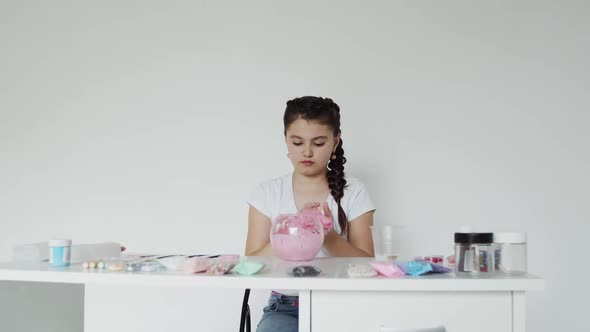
310	181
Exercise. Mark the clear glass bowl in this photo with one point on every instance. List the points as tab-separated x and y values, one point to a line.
297	237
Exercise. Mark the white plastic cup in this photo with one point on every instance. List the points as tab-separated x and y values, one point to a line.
387	241
60	252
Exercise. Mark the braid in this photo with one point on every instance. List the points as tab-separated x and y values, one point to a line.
337	183
325	111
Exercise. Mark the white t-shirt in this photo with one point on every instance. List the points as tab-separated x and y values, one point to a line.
275	196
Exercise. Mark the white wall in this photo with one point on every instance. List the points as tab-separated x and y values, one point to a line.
150	122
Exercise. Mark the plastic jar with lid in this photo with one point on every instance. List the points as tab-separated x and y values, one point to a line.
60	252
474	252
512	252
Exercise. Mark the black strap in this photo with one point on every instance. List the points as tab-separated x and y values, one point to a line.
245	318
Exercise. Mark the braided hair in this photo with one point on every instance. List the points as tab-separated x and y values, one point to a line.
324	111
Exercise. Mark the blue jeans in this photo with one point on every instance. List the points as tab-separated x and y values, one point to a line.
280	315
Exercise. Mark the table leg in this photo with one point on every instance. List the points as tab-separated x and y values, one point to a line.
518	312
304	311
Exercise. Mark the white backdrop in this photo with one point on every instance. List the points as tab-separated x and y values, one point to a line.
150	122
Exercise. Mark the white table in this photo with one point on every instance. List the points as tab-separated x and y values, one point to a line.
335	302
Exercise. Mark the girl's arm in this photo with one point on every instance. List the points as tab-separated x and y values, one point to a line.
360	239
258	241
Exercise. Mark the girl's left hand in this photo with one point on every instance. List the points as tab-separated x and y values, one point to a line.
326	219
328	214
310	206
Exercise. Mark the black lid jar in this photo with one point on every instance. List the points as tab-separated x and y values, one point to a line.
471	251
474	238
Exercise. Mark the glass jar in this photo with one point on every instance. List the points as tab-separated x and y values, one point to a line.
511	249
474	252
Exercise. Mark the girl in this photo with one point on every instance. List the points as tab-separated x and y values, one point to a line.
312	134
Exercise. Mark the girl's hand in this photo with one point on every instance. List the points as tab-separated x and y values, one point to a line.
328	214
310	206
326	218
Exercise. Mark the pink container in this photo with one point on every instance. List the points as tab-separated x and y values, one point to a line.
297	237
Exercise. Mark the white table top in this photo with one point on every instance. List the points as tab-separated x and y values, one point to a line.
333	277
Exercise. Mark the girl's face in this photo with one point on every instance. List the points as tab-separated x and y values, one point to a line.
310	145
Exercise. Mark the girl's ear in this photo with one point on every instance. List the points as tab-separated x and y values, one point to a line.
336	143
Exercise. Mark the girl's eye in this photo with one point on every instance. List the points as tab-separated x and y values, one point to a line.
316	144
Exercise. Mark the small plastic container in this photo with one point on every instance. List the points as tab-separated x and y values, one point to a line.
172	263
60	252
511	253
145	265
474	252
387	241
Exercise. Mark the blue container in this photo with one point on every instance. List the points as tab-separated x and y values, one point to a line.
60	252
